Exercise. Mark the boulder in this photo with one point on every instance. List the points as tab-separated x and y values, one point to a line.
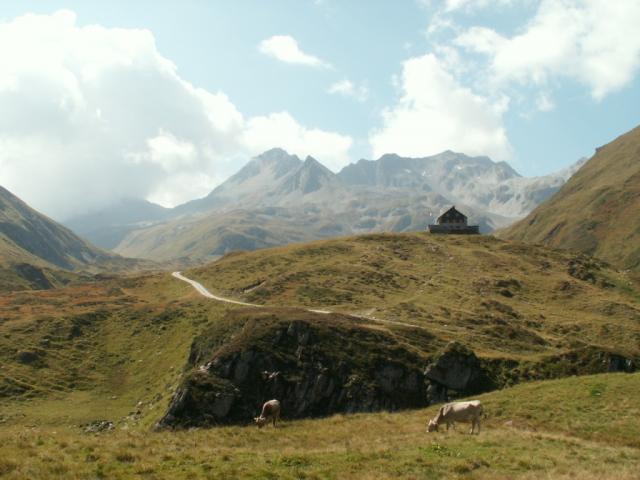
456	368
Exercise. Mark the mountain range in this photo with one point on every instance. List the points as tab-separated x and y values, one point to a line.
277	198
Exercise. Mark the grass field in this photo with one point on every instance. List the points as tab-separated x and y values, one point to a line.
501	298
97	351
117	350
581	427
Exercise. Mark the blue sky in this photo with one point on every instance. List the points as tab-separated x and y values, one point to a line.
414	77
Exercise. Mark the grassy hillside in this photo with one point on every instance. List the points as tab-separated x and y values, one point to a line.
120	349
38	253
502	299
549	313
581	427
209	236
596	211
24	230
96	349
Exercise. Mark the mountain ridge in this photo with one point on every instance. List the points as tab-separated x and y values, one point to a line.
128	213
37	252
390	193
43	238
596	211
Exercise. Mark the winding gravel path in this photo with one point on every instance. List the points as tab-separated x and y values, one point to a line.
206	293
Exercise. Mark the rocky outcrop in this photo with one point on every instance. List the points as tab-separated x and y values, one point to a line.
317	365
314	364
456	368
587	360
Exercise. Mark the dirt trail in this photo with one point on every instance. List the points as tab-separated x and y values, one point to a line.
206	293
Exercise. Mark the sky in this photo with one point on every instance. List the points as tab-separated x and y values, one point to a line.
164	100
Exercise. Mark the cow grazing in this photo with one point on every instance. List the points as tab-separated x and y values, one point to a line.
270	410
458	412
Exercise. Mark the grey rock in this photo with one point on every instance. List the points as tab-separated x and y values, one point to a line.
309	380
222	405
456	368
98	426
242	366
389	377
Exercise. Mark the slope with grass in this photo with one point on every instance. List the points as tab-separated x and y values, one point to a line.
203	238
596	211
35	235
36	252
98	350
502	299
527	312
126	349
581	427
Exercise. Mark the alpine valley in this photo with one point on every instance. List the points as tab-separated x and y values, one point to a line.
304	240
116	368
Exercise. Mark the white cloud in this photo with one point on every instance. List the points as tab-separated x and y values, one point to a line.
90	115
436	113
285	48
348	89
281	130
595	42
170	189
471	5
168	152
544	103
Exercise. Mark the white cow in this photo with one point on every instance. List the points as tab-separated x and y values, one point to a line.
457	412
270	410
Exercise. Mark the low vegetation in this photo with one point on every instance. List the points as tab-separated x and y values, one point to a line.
596	211
37	253
111	349
500	298
581	427
112	353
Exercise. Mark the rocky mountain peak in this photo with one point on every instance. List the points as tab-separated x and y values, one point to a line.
276	155
309	178
311	163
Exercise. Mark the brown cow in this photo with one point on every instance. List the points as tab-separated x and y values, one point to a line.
270	410
457	412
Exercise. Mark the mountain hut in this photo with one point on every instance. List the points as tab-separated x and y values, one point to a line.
453	221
